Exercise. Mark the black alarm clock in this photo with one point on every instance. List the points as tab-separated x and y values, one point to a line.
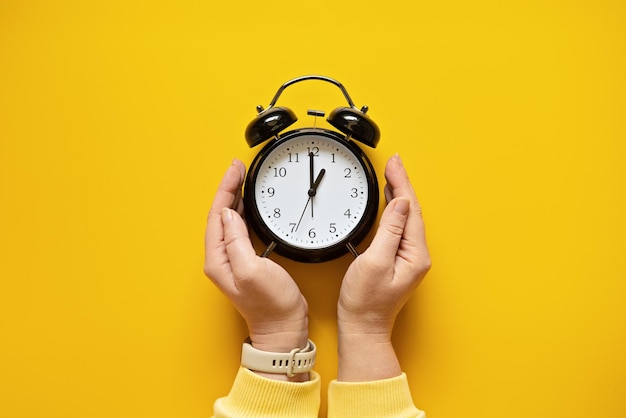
311	194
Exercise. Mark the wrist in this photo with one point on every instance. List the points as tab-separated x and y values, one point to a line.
280	335
359	339
279	342
365	328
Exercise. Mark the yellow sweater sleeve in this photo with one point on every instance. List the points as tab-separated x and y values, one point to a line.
254	396
388	398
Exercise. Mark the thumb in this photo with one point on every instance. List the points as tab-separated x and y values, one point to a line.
239	249
389	234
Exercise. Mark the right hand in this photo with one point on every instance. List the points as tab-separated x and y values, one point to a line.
263	292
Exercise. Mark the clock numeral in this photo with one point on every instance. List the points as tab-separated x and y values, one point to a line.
333	155
312	233
314	150
280	172
347	213
355	193
292	225
271	192
294	158
348	173
277	213
333	228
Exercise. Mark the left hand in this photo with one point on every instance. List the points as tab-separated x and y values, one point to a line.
380	281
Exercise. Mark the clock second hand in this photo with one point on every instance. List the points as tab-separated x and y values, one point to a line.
312	192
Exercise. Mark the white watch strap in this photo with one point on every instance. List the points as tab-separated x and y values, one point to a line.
298	360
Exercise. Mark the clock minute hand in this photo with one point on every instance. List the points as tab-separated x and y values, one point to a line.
311	171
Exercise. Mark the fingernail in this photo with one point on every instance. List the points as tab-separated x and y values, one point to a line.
402	206
227	216
236	163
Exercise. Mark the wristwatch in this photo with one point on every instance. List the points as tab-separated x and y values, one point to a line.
298	360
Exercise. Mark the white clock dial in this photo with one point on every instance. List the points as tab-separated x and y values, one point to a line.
311	191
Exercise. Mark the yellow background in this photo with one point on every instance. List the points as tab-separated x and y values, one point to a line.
117	120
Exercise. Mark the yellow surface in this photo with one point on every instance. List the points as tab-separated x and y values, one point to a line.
117	120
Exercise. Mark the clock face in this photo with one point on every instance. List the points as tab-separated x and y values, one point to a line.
311	192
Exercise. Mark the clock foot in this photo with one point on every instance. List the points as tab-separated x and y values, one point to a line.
352	250
268	250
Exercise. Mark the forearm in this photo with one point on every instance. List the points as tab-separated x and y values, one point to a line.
370	382
366	357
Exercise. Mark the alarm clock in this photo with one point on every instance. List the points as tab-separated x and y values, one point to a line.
311	194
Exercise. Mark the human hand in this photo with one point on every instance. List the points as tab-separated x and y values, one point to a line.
263	292
380	281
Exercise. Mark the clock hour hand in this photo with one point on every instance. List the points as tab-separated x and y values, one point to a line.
313	189
316	183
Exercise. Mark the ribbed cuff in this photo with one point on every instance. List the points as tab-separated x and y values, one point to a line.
254	396
376	399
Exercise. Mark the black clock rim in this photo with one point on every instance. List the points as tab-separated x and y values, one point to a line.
321	254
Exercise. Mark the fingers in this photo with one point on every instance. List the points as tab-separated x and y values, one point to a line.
229	191
398	182
238	246
390	230
216	264
399	185
228	196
